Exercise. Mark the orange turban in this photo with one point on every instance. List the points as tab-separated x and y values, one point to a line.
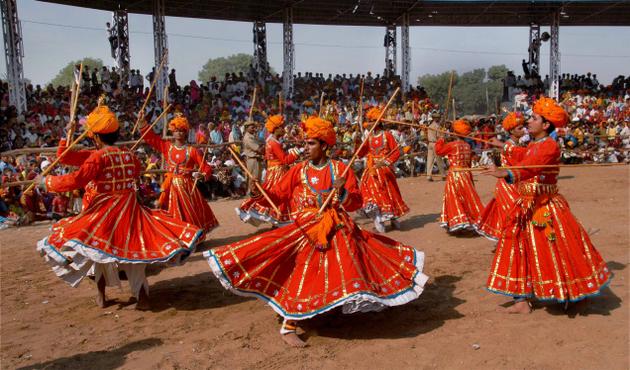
101	121
179	123
273	122
461	127
551	111
317	128
512	120
373	113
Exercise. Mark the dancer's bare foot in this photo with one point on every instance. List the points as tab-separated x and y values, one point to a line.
100	295
143	301
293	340
519	307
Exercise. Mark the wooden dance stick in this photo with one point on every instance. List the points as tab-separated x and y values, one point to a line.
73	104
437	130
249	174
448	97
360	110
251	112
146	100
28	182
356	153
168	107
539	166
321	105
52	165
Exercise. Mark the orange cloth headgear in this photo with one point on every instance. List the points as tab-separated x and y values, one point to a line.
461	127
273	122
551	111
373	113
179	123
101	120
513	120
317	128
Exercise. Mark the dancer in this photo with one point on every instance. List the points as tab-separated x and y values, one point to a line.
254	211
179	195
114	232
461	204
381	197
543	252
320	261
490	221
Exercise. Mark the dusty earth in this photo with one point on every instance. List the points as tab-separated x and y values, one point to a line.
196	324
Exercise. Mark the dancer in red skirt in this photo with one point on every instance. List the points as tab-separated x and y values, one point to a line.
543	252
178	197
319	262
491	219
278	161
114	232
461	205
381	197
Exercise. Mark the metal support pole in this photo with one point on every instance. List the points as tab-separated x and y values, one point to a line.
160	46
123	58
289	53
406	55
390	51
261	66
554	57
13	52
534	49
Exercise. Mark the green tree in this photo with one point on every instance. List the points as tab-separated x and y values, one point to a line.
436	86
469	89
64	77
218	67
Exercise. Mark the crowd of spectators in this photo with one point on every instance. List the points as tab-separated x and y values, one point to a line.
218	108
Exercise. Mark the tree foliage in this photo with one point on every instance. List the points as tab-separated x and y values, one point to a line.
469	89
218	67
65	75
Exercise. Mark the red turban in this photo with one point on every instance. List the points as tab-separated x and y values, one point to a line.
373	113
461	127
101	121
317	128
512	120
179	123
273	122
551	111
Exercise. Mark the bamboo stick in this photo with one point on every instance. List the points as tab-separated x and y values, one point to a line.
539	166
150	128
356	153
73	104
437	130
321	105
158	72
448	97
249	174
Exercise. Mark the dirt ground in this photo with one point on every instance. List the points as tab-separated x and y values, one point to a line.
196	324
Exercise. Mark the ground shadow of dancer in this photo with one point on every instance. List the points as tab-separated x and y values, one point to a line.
431	310
109	359
601	304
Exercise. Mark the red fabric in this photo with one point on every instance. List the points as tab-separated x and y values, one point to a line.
379	189
543	251
277	165
285	267
178	196
60	204
461	205
491	220
115	225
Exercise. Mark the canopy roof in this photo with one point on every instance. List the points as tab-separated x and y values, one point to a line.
383	13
